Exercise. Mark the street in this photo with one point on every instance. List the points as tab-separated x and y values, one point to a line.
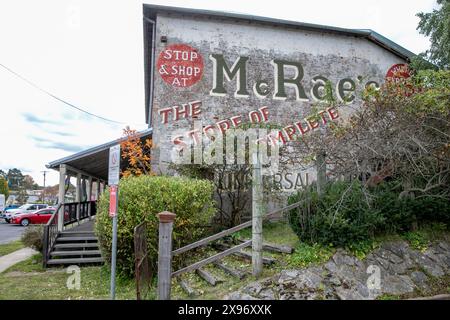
10	232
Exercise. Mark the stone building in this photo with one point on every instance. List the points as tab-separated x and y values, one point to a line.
223	69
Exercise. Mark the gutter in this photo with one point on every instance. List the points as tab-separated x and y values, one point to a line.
152	67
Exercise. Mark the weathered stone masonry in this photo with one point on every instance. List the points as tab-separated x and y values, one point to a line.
246	66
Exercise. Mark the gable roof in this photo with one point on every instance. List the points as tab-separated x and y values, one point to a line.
150	11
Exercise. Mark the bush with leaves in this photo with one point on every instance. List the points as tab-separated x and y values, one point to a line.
341	215
348	212
140	200
32	237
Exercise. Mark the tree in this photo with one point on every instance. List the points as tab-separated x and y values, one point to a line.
28	182
3	174
137	154
22	196
232	190
402	132
15	179
436	25
4	187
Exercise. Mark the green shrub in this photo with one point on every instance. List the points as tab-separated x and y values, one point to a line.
342	215
401	213
32	237
347	213
141	199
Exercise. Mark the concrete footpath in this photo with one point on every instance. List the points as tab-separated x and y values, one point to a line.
15	257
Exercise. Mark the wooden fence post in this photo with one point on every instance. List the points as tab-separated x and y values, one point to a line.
321	166
165	254
257	216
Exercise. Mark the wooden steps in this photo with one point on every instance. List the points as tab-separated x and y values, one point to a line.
75	248
76	261
213	280
75	253
73	239
76	245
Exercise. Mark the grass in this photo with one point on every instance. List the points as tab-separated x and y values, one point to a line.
437	286
29	280
10	247
305	255
422	238
273	232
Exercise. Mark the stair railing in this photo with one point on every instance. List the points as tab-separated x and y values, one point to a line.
49	236
69	217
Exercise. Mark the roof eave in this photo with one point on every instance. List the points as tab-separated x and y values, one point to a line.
55	164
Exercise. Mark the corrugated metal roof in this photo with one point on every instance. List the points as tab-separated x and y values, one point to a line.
151	10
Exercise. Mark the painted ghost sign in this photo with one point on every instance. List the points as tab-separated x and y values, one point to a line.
180	65
398	72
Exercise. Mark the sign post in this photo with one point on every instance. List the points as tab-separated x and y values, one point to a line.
113	181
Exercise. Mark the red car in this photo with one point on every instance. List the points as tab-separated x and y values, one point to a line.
38	217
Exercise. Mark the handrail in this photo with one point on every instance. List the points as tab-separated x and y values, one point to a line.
227	232
86	210
49	235
49	222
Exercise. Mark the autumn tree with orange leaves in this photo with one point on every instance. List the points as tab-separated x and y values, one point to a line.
137	154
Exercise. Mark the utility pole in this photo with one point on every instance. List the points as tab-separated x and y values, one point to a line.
43	191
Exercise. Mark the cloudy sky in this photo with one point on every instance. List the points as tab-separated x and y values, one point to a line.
90	54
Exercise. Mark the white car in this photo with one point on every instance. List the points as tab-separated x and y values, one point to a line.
26	208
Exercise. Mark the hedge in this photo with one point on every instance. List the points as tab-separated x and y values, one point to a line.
347	212
141	199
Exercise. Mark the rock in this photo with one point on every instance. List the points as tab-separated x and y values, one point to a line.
239	296
286	275
267	294
309	280
383	263
398	248
331	266
446	260
351	274
434	256
444	247
359	292
341	258
346	277
389	256
256	287
420	280
397	285
427	264
334	281
400	268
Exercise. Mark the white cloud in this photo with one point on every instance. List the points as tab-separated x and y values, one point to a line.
90	53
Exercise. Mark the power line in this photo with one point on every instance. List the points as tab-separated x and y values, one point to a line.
59	99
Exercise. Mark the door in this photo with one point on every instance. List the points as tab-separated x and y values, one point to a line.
45	216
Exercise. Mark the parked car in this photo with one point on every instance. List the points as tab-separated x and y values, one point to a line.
26	208
38	217
11	206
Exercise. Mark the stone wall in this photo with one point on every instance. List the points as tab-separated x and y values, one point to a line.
332	56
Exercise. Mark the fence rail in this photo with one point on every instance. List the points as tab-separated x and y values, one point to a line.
232	230
165	252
